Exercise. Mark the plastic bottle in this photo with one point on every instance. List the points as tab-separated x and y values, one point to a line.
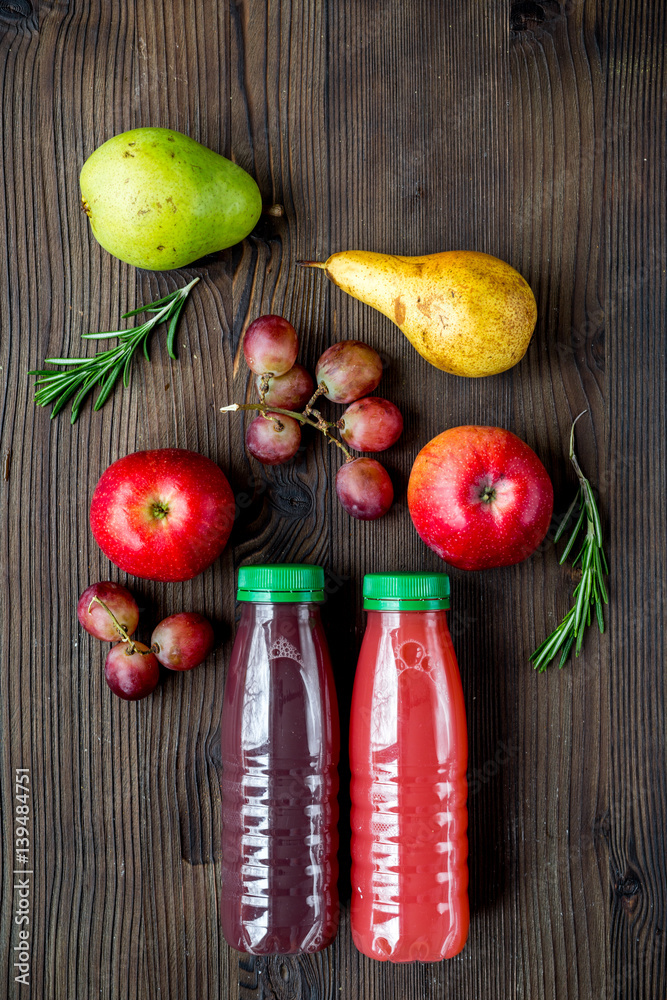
280	748
408	757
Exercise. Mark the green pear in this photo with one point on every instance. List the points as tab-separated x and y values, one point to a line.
157	199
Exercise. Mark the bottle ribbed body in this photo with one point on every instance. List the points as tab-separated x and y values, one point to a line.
408	756
280	747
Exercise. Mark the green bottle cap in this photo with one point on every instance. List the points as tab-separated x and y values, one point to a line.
406	591
281	583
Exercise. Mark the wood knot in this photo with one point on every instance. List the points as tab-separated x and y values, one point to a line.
528	15
291	500
628	887
15	10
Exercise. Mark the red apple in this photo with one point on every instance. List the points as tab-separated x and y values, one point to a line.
163	514
480	497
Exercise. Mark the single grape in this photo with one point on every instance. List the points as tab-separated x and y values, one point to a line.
290	391
364	488
182	641
371	424
273	443
270	345
131	670
348	370
97	620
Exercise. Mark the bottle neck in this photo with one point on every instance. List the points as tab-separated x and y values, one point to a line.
433	614
259	612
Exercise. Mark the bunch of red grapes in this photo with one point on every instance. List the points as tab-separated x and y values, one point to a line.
132	670
346	373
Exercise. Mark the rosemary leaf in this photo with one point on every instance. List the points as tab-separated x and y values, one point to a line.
565	521
144	346
566	652
580	607
98	336
107	386
60	361
573	536
171	332
151	305
600	616
126	371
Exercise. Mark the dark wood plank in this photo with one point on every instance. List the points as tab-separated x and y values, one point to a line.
634	38
19	186
535	131
181	75
126	797
556	221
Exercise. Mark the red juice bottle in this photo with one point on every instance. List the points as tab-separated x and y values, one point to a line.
280	748
408	758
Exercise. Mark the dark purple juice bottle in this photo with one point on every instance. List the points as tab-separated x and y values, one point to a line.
280	748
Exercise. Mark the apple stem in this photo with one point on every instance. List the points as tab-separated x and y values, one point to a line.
122	630
318	422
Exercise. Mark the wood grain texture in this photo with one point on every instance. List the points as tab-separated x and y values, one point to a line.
531	130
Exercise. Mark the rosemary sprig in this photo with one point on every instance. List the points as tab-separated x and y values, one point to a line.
590	592
57	386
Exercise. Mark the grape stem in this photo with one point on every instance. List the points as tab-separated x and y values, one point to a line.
122	631
317	421
309	405
264	386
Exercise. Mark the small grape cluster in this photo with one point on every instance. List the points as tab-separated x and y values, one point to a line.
346	373
132	670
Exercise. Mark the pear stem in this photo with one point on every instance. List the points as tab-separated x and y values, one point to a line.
311	263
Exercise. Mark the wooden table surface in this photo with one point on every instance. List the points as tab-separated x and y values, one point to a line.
532	130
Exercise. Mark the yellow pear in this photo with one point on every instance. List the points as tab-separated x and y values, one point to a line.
466	312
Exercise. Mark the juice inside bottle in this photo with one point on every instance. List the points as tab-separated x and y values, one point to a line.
280	748
408	757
